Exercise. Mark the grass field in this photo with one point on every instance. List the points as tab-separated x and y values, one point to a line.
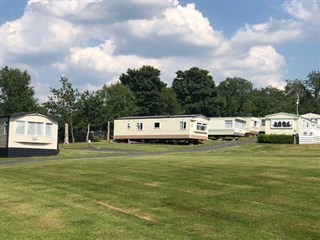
247	192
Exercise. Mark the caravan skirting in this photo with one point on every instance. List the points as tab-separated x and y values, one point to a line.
27	152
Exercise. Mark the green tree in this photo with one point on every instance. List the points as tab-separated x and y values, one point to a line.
195	91
299	98
116	100
63	103
313	84
235	92
171	104
16	92
147	88
88	113
267	101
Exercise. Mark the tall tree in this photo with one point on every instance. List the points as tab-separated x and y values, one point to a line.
63	103
116	100
171	104
147	88
88	112
195	90
298	97
313	84
267	100
16	92
235	91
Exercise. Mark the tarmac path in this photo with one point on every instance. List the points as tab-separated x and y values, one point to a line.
130	152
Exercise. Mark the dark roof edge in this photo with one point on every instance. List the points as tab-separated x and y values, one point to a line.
29	113
163	116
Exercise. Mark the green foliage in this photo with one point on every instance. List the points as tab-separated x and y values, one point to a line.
275	138
63	103
195	91
171	104
313	85
88	111
266	101
147	88
16	92
235	92
116	100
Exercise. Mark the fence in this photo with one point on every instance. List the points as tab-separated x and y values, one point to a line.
309	136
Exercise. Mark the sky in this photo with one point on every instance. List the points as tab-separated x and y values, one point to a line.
92	42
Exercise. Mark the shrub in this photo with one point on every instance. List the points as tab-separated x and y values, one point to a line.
275	138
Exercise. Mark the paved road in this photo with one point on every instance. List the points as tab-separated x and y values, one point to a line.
130	152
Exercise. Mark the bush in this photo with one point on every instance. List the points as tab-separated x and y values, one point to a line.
275	138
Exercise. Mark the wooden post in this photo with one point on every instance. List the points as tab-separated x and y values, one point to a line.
66	133
108	132
88	133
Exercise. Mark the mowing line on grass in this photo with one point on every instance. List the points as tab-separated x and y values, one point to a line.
131	213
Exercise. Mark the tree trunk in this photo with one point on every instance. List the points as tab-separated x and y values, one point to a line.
66	133
88	132
108	132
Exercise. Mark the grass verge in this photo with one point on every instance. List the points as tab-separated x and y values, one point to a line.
249	192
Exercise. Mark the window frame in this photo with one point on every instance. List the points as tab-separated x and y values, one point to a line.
201	126
16	127
5	128
183	125
281	123
37	131
227	123
140	126
51	128
157	127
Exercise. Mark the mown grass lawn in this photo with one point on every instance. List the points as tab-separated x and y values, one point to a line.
247	192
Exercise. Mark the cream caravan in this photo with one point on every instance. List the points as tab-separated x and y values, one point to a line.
221	127
28	134
169	127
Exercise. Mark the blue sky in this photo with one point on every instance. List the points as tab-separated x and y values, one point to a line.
92	42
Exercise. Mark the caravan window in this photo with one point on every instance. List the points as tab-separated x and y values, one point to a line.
183	125
20	127
35	128
156	125
281	123
228	123
201	126
140	126
240	125
5	128
49	129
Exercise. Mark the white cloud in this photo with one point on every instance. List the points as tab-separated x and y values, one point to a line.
271	32
92	42
304	10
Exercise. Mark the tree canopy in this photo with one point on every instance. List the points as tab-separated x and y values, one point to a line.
16	92
147	87
142	92
195	91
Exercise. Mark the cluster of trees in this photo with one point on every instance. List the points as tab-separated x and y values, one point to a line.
142	92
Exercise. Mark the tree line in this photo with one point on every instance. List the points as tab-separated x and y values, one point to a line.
141	92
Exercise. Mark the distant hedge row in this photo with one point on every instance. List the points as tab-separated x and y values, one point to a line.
275	138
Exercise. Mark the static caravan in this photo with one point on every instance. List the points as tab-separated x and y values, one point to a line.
252	126
313	117
221	127
28	134
286	123
170	127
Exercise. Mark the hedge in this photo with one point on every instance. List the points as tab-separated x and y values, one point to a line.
275	138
